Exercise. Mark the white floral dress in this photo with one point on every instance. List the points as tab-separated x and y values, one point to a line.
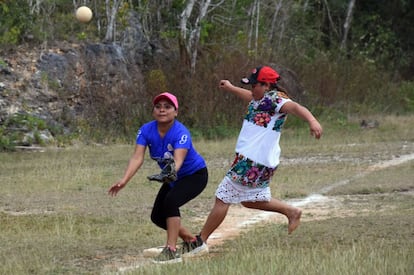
257	151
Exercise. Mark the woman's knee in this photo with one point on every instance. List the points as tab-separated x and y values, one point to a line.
221	205
159	221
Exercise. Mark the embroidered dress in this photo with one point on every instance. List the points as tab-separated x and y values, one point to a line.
257	151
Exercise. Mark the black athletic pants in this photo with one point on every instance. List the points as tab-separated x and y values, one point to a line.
170	199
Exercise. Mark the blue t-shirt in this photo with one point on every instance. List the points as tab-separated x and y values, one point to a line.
177	136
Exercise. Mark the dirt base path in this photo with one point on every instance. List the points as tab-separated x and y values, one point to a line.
315	207
240	219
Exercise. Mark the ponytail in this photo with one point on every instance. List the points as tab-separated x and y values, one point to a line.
282	92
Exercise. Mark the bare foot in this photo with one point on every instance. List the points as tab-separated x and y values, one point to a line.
294	220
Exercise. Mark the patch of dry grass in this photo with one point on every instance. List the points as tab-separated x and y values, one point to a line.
56	216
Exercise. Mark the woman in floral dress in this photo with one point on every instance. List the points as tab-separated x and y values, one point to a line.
257	150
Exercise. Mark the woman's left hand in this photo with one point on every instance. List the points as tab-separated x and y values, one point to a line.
315	129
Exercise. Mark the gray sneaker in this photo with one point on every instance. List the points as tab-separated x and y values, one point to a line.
194	248
167	256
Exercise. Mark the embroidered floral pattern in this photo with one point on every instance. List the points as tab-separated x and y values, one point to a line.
261	112
279	123
262	119
249	173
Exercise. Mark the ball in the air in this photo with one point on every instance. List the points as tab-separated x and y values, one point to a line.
84	14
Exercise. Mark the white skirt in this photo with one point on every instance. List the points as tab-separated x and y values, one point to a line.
231	192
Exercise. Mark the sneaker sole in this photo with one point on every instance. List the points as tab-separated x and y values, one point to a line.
173	261
198	252
153	251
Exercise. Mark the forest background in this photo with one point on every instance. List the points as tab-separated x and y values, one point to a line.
351	59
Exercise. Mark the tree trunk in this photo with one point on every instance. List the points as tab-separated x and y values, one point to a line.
256	34
252	17
274	21
347	24
188	44
34	6
195	34
111	13
182	41
328	11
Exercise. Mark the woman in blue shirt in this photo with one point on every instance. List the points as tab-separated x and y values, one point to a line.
169	140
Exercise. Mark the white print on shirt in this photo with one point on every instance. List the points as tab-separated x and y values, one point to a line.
183	139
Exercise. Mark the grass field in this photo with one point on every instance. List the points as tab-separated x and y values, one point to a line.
56	216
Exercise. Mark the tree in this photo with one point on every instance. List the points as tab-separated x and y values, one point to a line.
190	31
347	24
275	18
111	7
34	6
15	20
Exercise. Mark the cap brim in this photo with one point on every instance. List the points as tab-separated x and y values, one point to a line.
165	97
247	81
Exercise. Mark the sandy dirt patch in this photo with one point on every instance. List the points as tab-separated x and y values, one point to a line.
315	207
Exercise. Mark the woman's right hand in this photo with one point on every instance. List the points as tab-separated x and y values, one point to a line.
114	189
134	164
225	85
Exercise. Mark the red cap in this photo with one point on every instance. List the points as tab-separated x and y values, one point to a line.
167	96
262	74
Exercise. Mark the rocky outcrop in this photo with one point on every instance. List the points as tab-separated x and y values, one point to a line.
45	93
61	85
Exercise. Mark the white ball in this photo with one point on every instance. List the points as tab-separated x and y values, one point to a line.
84	14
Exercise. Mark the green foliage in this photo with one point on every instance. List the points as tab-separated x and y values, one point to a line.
377	41
26	121
5	141
123	15
157	81
387	43
205	29
44	21
13	131
81	36
302	35
406	96
15	21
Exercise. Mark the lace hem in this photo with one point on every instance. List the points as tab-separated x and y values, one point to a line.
230	192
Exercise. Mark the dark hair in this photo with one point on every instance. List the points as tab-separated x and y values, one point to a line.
280	89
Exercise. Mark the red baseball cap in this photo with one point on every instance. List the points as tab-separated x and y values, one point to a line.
167	96
262	74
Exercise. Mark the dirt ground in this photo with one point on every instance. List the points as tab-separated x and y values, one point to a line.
314	207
